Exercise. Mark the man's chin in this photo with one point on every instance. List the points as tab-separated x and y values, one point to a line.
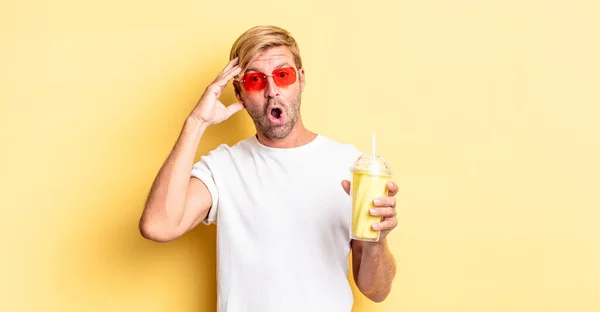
277	132
277	135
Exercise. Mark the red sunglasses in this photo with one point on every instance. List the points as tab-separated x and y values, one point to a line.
257	81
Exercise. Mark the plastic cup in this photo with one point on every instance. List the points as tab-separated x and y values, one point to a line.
370	175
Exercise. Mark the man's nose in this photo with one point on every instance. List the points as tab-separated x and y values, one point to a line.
271	90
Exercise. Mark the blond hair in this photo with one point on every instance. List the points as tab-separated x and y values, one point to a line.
256	40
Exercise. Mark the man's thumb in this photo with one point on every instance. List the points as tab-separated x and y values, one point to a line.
234	108
346	186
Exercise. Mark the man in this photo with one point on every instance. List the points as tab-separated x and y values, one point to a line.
283	219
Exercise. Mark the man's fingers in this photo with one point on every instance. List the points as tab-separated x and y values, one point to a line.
392	188
230	65
387	224
219	84
224	78
233	72
386	212
385	201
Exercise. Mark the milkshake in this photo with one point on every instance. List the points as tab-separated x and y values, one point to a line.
370	175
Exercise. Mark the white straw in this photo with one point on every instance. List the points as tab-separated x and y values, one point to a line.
373	145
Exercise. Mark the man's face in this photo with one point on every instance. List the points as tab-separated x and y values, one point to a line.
275	109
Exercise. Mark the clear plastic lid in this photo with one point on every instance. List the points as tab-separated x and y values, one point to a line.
371	164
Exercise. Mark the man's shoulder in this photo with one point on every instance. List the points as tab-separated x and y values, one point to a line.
227	152
241	145
339	146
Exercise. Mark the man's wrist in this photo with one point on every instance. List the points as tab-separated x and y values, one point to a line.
375	247
196	123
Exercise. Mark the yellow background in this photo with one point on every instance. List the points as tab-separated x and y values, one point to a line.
487	110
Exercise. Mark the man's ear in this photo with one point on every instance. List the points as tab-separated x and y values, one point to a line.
236	89
302	80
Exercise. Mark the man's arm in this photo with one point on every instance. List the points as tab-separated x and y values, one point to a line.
178	202
373	265
373	268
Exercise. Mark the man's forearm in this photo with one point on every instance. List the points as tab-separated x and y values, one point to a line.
377	270
166	201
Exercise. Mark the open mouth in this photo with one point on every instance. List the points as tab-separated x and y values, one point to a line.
276	113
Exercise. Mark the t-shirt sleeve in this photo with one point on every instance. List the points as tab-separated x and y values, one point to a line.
351	154
204	170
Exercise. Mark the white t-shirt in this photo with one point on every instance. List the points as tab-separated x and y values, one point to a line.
283	222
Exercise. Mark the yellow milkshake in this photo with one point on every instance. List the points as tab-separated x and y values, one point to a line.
370	175
365	188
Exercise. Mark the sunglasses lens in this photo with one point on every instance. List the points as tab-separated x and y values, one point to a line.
254	81
284	76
